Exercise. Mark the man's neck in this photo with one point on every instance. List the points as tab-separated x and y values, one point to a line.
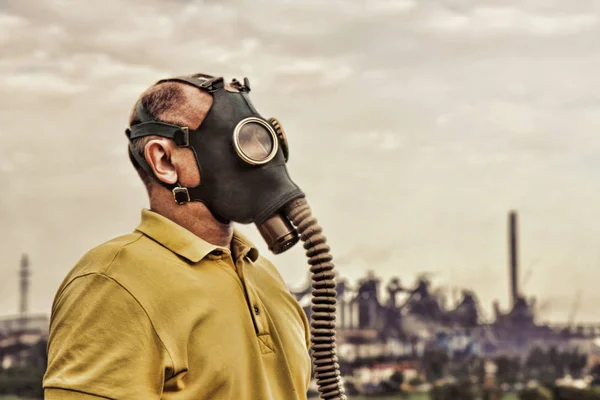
196	218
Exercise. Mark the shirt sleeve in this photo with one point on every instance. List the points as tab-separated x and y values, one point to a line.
102	345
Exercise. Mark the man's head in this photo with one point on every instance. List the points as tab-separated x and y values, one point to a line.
206	147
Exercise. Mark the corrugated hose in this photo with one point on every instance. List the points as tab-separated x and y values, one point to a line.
323	347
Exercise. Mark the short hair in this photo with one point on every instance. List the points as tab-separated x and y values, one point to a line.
170	102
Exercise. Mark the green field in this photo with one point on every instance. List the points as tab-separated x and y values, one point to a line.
413	397
13	398
417	397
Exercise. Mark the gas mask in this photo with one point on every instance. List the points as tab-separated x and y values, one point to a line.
242	160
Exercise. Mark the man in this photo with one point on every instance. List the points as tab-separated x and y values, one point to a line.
184	307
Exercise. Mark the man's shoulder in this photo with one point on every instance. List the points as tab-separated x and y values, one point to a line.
113	255
99	259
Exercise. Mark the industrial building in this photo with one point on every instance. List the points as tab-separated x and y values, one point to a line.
23	336
374	328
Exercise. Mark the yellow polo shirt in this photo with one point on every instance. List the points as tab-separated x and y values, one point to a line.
162	314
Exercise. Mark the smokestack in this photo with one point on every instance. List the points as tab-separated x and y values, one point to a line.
24	285
514	262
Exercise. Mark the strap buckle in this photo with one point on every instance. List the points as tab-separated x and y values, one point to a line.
181	195
212	85
242	87
182	137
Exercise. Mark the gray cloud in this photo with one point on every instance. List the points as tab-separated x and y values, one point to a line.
414	126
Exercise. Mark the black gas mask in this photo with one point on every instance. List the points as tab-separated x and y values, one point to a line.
243	178
241	157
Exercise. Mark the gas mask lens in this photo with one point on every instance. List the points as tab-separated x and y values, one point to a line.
255	141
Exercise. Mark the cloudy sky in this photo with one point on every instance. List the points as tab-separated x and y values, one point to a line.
414	125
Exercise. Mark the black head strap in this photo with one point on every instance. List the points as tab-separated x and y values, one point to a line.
141	161
179	134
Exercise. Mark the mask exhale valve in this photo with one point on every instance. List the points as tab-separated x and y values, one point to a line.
323	347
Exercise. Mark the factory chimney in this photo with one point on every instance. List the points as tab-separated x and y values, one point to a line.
24	274
514	262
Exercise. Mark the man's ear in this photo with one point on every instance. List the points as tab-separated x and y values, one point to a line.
158	154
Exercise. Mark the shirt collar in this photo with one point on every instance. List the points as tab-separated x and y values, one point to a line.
184	243
242	247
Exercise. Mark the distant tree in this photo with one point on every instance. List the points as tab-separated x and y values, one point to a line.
536	361
38	356
554	362
461	390
416	381
435	363
595	371
576	363
508	369
540	393
478	370
397	378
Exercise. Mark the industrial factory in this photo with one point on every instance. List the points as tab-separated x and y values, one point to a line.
374	329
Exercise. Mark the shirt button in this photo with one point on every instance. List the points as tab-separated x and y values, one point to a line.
217	253
256	309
